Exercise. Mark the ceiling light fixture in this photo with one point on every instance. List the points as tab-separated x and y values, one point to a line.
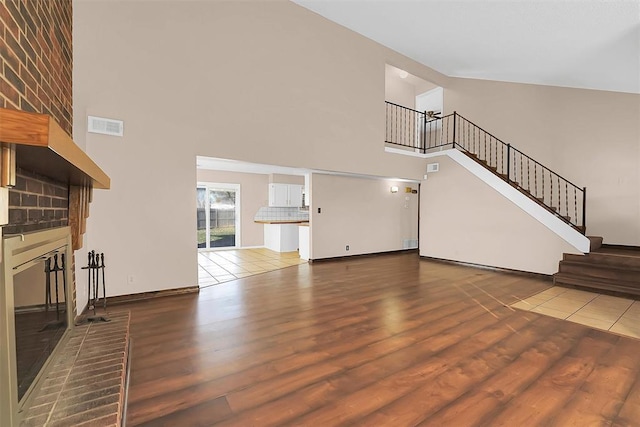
403	74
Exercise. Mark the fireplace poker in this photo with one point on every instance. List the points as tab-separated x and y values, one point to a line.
104	289
95	262
47	272
63	267
88	267
55	270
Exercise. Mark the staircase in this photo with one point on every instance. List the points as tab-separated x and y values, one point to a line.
421	132
610	269
605	268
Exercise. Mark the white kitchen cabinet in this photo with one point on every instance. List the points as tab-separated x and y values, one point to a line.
285	195
303	241
295	195
281	237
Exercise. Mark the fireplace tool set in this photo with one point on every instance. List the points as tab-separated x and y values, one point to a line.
95	269
51	267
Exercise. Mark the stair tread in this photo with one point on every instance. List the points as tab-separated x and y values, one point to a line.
629	253
623	268
587	281
594	256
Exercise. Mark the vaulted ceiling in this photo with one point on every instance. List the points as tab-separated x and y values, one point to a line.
592	44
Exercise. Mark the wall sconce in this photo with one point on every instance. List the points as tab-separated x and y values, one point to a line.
394	189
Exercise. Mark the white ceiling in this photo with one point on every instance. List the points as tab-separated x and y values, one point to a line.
593	44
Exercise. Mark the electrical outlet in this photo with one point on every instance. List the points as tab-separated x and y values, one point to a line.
131	279
347	247
319	210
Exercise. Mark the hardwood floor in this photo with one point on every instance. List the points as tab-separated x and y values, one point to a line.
386	340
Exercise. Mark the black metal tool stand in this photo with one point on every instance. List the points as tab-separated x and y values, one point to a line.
48	271
95	266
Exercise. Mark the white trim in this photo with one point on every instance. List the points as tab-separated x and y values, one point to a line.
546	218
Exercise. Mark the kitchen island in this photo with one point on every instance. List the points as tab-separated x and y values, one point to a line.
281	236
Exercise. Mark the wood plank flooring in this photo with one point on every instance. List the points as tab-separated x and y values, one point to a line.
386	340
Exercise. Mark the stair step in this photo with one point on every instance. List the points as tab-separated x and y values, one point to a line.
601	271
596	242
567	217
595	283
605	260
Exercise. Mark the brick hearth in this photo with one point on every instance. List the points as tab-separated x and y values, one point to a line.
86	385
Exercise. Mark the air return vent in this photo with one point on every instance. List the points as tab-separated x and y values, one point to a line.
106	126
410	244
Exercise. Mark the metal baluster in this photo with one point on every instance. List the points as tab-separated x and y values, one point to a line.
559	201
402	138
542	172
566	198
528	177
575	204
474	139
508	160
485	150
551	189
535	180
584	210
521	177
455	121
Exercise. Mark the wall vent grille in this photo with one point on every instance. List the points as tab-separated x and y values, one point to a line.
433	167
410	244
105	126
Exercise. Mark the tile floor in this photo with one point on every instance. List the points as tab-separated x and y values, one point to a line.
222	266
615	314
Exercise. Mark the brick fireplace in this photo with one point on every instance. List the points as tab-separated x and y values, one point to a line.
46	184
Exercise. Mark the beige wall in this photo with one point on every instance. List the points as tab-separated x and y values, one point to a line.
254	193
230	81
591	138
278	178
361	213
404	91
481	226
397	90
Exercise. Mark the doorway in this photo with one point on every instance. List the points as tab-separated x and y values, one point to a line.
218	215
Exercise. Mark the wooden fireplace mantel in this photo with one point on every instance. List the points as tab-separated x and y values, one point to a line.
42	146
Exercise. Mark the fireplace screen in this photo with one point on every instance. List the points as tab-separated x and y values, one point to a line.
35	312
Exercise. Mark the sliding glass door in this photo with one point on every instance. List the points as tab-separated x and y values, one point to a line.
218	215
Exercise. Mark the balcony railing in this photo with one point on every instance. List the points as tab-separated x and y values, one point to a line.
417	131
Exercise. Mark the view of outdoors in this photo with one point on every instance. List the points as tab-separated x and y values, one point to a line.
219	207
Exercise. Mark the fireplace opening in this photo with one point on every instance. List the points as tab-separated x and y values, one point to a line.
40	315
